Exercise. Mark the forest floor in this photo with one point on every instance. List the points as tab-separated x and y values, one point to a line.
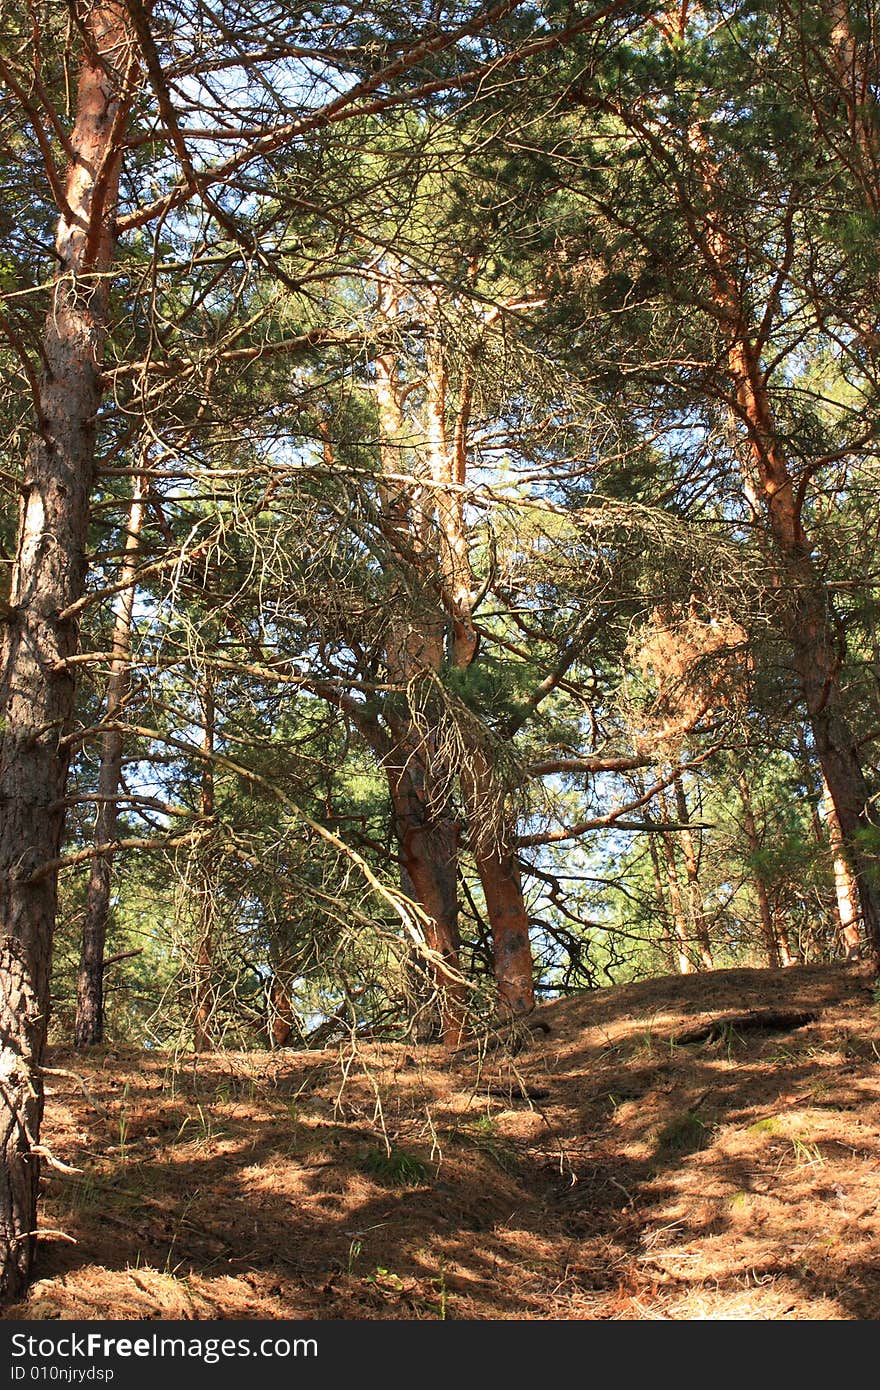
604	1170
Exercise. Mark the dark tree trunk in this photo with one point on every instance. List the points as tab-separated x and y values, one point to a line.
203	982
849	794
668	943
496	863
805	610
692	870
509	921
36	684
89	1029
676	906
768	931
428	841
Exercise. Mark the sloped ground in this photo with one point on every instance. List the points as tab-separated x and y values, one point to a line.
601	1171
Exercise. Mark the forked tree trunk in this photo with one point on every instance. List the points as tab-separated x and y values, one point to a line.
36	684
281	1020
428	532
491	833
89	1029
788	954
426	832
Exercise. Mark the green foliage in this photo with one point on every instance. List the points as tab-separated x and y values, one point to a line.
397	1168
569	242
683	1134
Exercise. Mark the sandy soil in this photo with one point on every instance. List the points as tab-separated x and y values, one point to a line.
598	1170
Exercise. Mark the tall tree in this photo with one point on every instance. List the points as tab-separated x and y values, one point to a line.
36	683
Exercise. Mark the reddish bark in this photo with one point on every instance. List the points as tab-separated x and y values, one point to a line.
806	611
36	684
509	921
429	869
281	1017
496	863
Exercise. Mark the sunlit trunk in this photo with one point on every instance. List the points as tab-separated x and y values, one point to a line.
806	613
845	888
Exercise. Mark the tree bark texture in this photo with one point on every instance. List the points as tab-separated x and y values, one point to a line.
491	834
36	683
428	847
804	607
425	828
845	887
427	529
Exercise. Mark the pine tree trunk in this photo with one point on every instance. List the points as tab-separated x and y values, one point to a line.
496	863
89	1030
509	921
788	954
36	684
426	832
854	59
428	843
281	1020
768	930
845	887
203	982
679	920
805	607
668	942
817	663
695	892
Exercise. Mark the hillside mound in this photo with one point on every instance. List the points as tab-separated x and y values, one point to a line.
593	1165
